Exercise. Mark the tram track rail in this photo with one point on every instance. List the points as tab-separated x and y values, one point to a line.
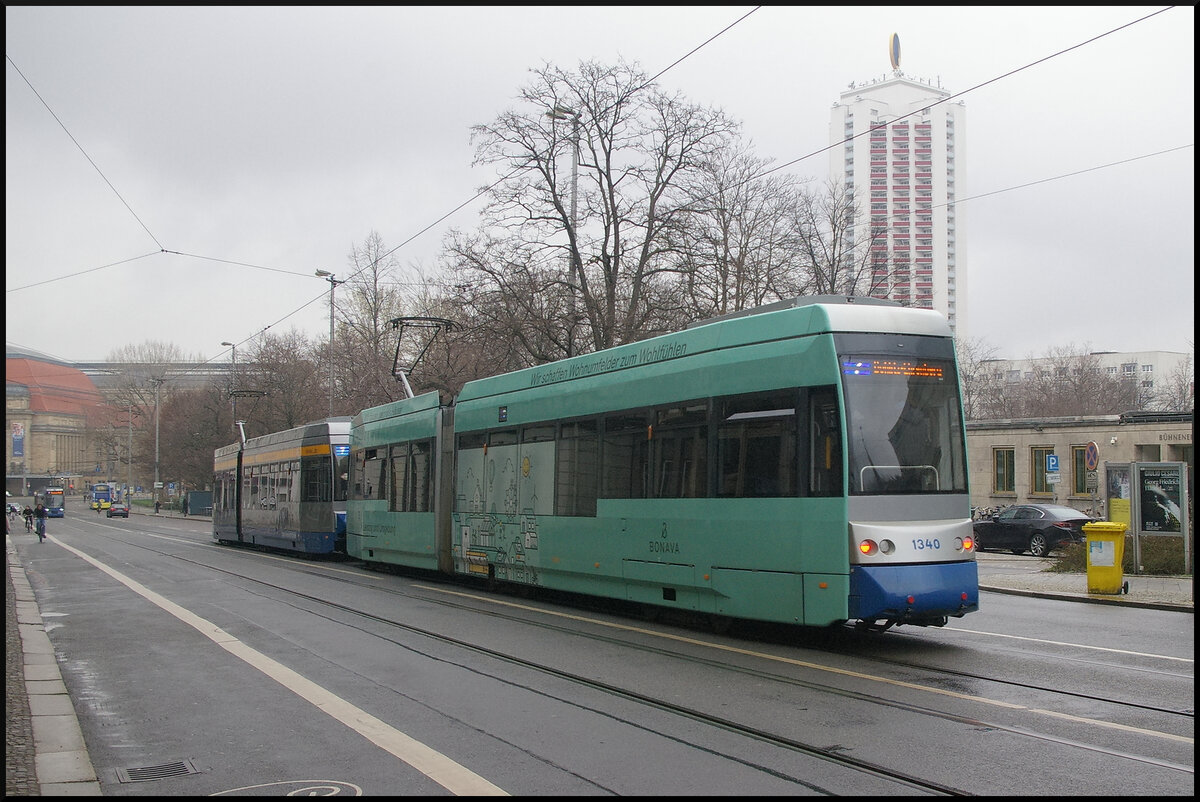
904	782
337	612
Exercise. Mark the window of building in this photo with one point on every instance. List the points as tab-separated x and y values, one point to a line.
1040	482
1079	470
1004	461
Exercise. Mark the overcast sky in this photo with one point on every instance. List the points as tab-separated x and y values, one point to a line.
178	174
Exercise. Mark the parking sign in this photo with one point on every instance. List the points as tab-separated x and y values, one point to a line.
1051	463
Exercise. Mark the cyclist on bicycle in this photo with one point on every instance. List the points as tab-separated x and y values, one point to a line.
28	515
40	515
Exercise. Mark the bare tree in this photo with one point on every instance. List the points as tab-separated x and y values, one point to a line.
470	350
837	247
287	370
368	300
738	247
192	425
1177	392
615	272
982	384
132	395
1066	381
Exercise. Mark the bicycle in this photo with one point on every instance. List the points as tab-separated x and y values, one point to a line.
41	529
29	523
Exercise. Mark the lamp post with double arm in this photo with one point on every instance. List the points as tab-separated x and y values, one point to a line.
325	274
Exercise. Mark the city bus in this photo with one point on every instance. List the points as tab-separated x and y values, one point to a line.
102	496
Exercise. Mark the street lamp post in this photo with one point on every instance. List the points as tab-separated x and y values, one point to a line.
233	383
325	274
565	113
129	470
157	384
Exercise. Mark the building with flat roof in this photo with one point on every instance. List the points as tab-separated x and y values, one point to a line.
1008	457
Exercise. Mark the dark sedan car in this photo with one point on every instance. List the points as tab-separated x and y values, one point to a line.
1034	528
117	509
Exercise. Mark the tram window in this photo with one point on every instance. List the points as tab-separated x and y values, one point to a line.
396	497
624	457
357	466
341	477
507	437
370	473
316	479
537	434
420	473
824	444
756	445
679	451
411	479
577	472
473	440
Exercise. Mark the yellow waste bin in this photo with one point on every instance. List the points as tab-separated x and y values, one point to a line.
1105	551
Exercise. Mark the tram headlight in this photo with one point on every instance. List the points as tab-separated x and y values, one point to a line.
868	547
887	546
964	543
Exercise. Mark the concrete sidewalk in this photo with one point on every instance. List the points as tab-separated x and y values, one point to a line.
44	751
1155	592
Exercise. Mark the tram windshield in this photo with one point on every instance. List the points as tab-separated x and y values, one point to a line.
904	425
341	471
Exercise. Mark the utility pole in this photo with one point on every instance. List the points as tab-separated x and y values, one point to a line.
565	113
325	274
233	382
157	385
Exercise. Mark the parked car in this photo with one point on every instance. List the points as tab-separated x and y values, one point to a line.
1034	528
118	509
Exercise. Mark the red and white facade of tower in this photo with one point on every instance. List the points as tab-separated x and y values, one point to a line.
902	157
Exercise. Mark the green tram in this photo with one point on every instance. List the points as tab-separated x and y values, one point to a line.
803	462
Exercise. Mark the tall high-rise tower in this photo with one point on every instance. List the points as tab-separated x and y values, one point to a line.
902	157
